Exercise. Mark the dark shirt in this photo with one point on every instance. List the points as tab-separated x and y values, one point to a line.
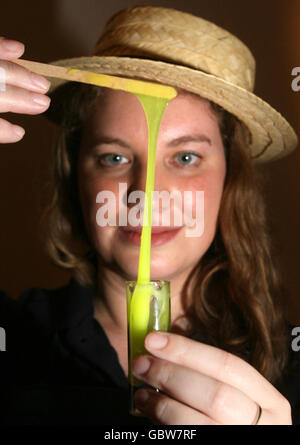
60	368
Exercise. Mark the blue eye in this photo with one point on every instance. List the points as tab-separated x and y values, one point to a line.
187	158
112	159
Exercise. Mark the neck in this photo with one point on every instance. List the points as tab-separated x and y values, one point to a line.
110	304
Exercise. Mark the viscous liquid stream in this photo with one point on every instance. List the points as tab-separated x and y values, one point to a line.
140	304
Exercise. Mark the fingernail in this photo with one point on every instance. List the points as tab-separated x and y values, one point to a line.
140	365
40	99
40	81
12	45
156	340
19	131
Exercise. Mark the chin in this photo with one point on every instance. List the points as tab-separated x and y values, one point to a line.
161	267
168	262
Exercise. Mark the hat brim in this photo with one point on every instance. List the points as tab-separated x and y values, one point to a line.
272	137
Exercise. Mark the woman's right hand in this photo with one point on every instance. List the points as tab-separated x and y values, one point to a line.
21	91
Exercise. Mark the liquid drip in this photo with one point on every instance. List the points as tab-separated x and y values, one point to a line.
140	304
143	304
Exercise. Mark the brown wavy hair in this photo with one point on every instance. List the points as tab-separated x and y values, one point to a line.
234	295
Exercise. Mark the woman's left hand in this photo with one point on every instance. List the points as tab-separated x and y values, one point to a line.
203	385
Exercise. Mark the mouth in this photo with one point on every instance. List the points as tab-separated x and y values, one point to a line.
159	235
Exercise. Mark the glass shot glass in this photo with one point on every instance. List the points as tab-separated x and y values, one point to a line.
148	309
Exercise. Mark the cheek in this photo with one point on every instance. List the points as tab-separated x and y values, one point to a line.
212	192
204	207
89	187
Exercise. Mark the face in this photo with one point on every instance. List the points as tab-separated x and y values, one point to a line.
189	158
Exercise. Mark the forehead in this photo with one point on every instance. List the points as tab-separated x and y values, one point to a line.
119	115
113	104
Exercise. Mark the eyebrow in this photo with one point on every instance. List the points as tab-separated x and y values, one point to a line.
189	138
173	143
112	141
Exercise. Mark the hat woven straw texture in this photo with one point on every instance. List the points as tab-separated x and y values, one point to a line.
178	49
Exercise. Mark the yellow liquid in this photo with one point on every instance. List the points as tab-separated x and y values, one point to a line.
154	108
154	99
138	307
137	87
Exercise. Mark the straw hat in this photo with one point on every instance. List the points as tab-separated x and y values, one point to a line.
179	49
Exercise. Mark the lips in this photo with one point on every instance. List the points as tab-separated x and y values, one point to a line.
159	234
154	229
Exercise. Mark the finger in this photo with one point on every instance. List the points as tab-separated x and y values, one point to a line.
10	49
167	411
221	402
217	364
18	100
10	133
13	74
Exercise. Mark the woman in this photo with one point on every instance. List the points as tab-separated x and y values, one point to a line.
225	360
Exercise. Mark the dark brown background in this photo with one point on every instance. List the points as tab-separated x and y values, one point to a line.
66	28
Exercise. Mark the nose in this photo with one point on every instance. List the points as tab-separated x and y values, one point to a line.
136	188
138	177
137	181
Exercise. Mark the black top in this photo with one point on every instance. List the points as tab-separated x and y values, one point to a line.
60	368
